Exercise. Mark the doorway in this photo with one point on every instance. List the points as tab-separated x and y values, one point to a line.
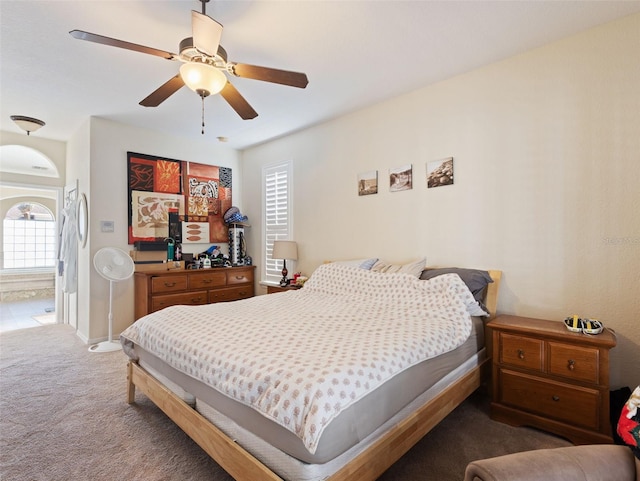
28	236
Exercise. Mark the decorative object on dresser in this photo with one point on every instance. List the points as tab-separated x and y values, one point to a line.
157	290
284	250
547	377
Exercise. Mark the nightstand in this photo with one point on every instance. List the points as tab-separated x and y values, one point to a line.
549	378
275	289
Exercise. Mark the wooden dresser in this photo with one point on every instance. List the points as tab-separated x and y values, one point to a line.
547	377
157	290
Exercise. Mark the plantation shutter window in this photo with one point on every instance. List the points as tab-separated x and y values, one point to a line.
277	216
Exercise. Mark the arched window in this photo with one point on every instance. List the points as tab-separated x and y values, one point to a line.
29	237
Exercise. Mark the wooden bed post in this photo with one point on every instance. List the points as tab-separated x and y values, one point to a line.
131	388
491	298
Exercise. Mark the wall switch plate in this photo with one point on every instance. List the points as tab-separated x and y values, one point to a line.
107	226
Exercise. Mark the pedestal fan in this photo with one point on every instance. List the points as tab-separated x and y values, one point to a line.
115	265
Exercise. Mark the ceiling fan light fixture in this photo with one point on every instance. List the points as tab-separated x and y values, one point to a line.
28	124
202	78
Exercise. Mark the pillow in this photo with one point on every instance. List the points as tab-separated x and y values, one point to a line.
629	423
476	280
365	264
413	268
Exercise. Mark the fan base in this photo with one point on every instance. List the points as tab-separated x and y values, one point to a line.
106	346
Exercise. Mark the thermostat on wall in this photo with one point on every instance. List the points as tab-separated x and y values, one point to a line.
106	225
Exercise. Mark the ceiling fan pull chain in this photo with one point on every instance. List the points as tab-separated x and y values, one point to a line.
202	97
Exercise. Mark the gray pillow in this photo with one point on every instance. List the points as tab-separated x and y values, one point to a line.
476	280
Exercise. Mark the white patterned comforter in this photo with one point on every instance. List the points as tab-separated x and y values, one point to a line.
301	357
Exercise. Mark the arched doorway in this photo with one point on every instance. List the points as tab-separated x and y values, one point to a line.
28	239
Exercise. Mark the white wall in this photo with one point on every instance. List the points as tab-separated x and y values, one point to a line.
107	200
547	182
78	170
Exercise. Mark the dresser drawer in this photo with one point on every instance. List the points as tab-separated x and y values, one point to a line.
564	402
168	284
207	279
231	294
186	298
574	362
523	352
240	276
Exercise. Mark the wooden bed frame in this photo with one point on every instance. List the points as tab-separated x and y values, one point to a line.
367	466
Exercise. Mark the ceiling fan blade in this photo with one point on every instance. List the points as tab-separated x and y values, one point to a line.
206	33
163	92
284	77
238	102
92	37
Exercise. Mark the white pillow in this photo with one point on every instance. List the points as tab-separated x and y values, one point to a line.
414	268
365	264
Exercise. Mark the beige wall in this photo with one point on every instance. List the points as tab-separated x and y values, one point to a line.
547	182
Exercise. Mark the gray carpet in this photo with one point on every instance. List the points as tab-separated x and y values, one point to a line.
63	416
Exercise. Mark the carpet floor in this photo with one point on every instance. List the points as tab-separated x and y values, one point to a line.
63	416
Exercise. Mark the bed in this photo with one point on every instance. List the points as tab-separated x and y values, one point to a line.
334	381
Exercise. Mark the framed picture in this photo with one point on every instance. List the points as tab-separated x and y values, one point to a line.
368	183
440	172
401	178
168	197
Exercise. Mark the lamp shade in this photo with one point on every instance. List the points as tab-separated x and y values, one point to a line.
28	124
202	78
285	250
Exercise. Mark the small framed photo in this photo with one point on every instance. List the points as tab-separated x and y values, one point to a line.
401	178
440	172
368	183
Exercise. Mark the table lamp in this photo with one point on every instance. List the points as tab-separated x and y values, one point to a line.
285	250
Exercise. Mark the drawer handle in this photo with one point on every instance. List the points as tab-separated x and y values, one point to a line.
240	277
571	365
169	284
556	398
196	299
520	353
206	281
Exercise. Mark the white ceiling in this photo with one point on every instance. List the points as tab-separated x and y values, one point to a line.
355	53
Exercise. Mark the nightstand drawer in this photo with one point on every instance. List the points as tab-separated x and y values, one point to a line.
187	298
523	352
571	404
168	284
574	362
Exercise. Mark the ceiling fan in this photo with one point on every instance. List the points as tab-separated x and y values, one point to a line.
204	63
